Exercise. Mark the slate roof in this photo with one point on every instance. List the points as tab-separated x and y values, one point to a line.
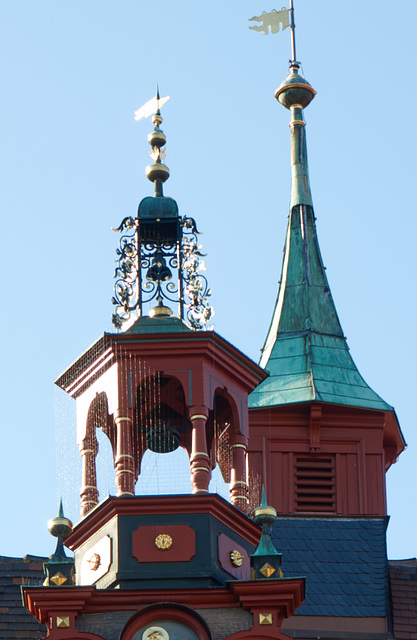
403	582
15	621
343	559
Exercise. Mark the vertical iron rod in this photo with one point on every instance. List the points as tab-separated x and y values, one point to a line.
292	27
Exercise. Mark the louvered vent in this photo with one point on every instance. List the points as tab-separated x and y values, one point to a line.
315	484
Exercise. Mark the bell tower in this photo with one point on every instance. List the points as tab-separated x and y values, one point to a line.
174	566
164	381
321	438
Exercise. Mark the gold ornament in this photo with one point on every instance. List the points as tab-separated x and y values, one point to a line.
93	562
62	622
265	618
267	570
155	633
58	579
236	558
163	541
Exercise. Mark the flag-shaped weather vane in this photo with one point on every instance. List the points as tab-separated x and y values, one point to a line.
152	106
271	23
157	138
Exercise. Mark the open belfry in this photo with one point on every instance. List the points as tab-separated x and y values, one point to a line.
304	443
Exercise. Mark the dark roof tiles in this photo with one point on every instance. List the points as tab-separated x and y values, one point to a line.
403	582
15	621
343	559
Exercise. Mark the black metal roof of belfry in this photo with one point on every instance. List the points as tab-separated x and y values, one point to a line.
344	561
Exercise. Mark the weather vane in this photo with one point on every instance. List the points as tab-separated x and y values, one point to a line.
272	21
152	106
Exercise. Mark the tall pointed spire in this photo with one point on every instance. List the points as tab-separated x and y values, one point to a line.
305	351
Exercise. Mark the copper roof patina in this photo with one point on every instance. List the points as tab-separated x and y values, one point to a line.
305	351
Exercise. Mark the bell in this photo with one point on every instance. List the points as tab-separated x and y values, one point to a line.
162	438
159	272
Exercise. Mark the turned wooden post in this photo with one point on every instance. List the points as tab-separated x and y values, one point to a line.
199	461
89	491
239	483
124	463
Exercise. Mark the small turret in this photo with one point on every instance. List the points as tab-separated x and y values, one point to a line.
59	569
265	561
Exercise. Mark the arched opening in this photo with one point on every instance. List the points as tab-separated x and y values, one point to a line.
162	423
227	447
164	473
166	622
99	431
162	437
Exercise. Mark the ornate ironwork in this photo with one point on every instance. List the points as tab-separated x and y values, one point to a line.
196	288
158	270
126	297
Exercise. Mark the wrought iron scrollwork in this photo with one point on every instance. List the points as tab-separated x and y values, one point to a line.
196	288
160	271
126	297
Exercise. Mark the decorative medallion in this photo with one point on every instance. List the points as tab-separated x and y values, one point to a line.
96	561
163	541
62	622
236	558
155	633
93	562
265	618
267	570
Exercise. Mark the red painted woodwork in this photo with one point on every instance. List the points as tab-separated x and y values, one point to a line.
124	465
355	440
209	503
199	459
183	543
199	368
281	596
89	492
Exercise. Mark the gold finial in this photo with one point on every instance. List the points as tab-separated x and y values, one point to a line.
157	172
60	526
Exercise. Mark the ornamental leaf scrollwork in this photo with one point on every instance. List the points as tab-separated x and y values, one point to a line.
126	298
199	311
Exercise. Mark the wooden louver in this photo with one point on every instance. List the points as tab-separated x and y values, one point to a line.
315	484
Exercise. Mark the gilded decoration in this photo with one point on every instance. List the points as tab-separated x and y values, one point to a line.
93	562
236	558
155	633
163	541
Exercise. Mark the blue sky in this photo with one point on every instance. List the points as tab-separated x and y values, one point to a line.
72	166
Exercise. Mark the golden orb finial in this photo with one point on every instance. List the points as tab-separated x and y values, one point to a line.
60	526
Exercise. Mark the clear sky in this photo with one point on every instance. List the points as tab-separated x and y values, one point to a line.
72	165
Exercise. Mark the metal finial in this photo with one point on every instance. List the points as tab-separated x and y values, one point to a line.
157	98
59	569
158	172
293	61
60	526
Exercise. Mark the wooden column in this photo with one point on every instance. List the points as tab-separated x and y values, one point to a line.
124	465
199	461
239	484
89	491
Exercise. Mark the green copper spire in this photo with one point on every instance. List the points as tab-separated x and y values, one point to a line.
305	351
